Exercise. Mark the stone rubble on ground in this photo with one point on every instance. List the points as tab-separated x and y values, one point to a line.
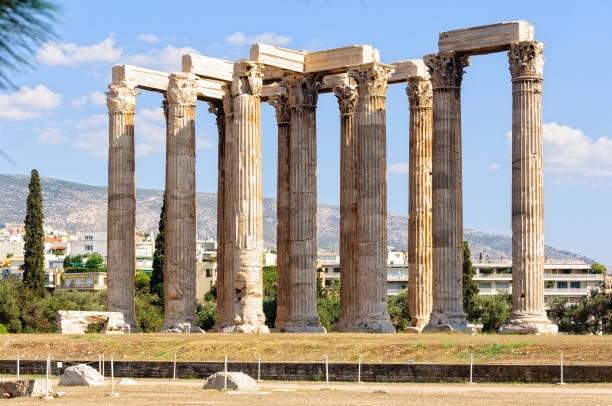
235	381
23	388
81	375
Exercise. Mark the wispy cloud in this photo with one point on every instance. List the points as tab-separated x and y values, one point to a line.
96	98
28	102
167	59
493	167
67	53
51	135
399	168
148	37
239	38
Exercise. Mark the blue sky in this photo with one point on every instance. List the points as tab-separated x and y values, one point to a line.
55	121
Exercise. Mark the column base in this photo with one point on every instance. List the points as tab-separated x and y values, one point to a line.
413	330
522	323
306	325
367	325
243	328
417	325
446	323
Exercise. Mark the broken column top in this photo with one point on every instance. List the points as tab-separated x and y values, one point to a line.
485	39
408	69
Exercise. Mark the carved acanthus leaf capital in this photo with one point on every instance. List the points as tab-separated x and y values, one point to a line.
419	92
302	89
371	79
347	96
121	98
526	59
216	108
446	68
281	106
248	78
182	89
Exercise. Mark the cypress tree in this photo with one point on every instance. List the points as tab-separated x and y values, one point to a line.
156	283
34	245
470	288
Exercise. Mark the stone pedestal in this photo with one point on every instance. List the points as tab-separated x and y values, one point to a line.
349	298
283	119
528	314
419	203
371	174
302	316
447	218
245	202
180	232
121	218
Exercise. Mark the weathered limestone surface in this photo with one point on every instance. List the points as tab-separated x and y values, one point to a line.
281	58
419	202
81	375
235	381
76	322
302	316
528	314
404	70
371	174
283	119
180	232
121	217
447	191
245	202
485	38
347	96
25	388
339	59
207	67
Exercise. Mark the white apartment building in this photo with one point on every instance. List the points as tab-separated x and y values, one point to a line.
88	243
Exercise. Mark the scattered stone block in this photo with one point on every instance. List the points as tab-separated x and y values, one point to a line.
76	322
81	375
235	381
23	388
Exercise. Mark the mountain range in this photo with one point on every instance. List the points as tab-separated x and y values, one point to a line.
80	207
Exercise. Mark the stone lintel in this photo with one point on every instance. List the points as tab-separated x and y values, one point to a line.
408	69
485	39
281	58
207	67
337	60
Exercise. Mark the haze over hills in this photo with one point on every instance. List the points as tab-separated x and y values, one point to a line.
79	207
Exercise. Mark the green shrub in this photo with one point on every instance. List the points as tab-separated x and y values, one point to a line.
9	305
397	306
492	311
207	313
3	329
149	317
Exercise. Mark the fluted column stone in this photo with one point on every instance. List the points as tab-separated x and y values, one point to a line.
302	316
419	203
371	174
283	119
347	96
528	315
180	232
446	71
121	217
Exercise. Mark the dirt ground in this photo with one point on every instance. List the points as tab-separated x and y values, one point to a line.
167	392
422	348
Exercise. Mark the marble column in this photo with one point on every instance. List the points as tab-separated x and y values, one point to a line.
371	174
282	210
302	316
419	203
347	95
446	71
180	233
246	200
121	217
528	314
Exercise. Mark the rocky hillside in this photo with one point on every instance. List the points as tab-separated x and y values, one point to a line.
79	207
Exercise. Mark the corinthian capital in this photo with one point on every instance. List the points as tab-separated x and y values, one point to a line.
302	89
526	59
248	78
216	107
281	106
419	92
371	78
347	95
446	68
120	98
182	89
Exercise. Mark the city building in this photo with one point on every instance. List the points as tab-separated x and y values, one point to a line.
81	281
88	243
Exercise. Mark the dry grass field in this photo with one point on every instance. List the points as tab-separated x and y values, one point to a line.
429	348
167	392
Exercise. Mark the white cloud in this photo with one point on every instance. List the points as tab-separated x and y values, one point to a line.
28	102
239	38
150	130
167	59
51	135
148	37
203	143
65	53
93	121
93	142
568	151
96	98
399	167
493	167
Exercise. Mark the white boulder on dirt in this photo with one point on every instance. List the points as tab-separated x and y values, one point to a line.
81	375
127	382
235	381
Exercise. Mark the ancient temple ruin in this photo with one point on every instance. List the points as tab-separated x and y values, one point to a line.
291	81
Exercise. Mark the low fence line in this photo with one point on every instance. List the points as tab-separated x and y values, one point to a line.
347	372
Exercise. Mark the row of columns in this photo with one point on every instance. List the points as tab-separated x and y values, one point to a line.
435	238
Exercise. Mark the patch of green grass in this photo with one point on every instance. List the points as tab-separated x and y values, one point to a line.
489	351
